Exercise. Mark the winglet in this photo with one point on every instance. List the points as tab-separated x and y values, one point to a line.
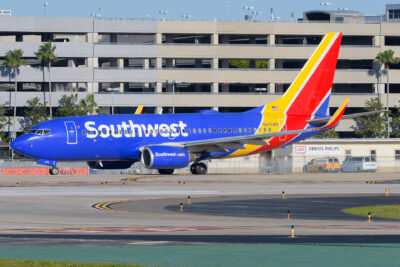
337	116
139	109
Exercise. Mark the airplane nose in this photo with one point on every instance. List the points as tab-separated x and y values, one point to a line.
20	144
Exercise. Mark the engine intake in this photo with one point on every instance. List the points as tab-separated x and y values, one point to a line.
166	157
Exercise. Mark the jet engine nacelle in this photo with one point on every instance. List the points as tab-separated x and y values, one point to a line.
110	165
166	157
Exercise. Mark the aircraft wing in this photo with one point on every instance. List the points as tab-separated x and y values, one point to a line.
236	142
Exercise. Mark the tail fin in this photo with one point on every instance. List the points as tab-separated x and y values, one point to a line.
309	93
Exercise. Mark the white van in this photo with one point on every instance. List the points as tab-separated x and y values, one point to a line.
359	164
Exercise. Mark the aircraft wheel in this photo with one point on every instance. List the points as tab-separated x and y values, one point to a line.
166	171
193	168
54	170
201	168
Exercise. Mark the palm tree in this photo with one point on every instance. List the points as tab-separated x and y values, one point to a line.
385	58
46	54
14	60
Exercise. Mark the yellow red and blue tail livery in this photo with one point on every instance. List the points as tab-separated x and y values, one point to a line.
170	141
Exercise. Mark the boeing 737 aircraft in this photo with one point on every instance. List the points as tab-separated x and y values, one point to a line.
170	141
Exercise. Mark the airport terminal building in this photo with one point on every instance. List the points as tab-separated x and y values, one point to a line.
193	65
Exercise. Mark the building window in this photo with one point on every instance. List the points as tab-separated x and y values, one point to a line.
373	153
348	153
397	154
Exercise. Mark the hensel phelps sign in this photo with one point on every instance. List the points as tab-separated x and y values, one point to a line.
317	150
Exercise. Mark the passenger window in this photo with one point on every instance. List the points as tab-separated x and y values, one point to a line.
46	131
104	131
250	130
224	130
240	130
189	131
219	130
194	130
83	132
245	130
209	130
230	130
204	130
199	130
234	130
215	130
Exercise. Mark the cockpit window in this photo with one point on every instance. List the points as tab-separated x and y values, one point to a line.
39	131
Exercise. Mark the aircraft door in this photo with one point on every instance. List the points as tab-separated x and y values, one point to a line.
72	136
284	128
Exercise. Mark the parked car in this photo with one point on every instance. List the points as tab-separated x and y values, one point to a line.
359	164
322	165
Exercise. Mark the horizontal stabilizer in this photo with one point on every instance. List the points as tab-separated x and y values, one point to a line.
322	121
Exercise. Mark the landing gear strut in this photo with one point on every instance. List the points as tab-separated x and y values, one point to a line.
198	168
54	170
166	171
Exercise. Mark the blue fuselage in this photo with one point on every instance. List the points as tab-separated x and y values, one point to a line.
120	137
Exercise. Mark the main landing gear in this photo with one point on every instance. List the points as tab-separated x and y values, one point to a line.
54	170
198	168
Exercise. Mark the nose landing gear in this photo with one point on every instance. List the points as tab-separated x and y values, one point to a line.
54	170
198	168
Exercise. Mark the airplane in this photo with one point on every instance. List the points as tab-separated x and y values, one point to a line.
171	141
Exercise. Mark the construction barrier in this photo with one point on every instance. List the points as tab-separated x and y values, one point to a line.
43	171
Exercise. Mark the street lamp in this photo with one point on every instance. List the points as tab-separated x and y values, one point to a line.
44	8
173	82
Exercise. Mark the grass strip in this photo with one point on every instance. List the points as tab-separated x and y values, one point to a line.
51	263
378	211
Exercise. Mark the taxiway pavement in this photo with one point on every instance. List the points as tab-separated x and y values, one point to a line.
222	205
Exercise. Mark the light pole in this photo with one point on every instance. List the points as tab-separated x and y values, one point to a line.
325	4
225	11
163	13
173	82
248	16
44	8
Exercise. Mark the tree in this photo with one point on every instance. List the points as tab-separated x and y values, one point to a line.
88	105
385	58
69	106
4	121
373	126
328	134
396	122
14	60
245	63
35	113
46	55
